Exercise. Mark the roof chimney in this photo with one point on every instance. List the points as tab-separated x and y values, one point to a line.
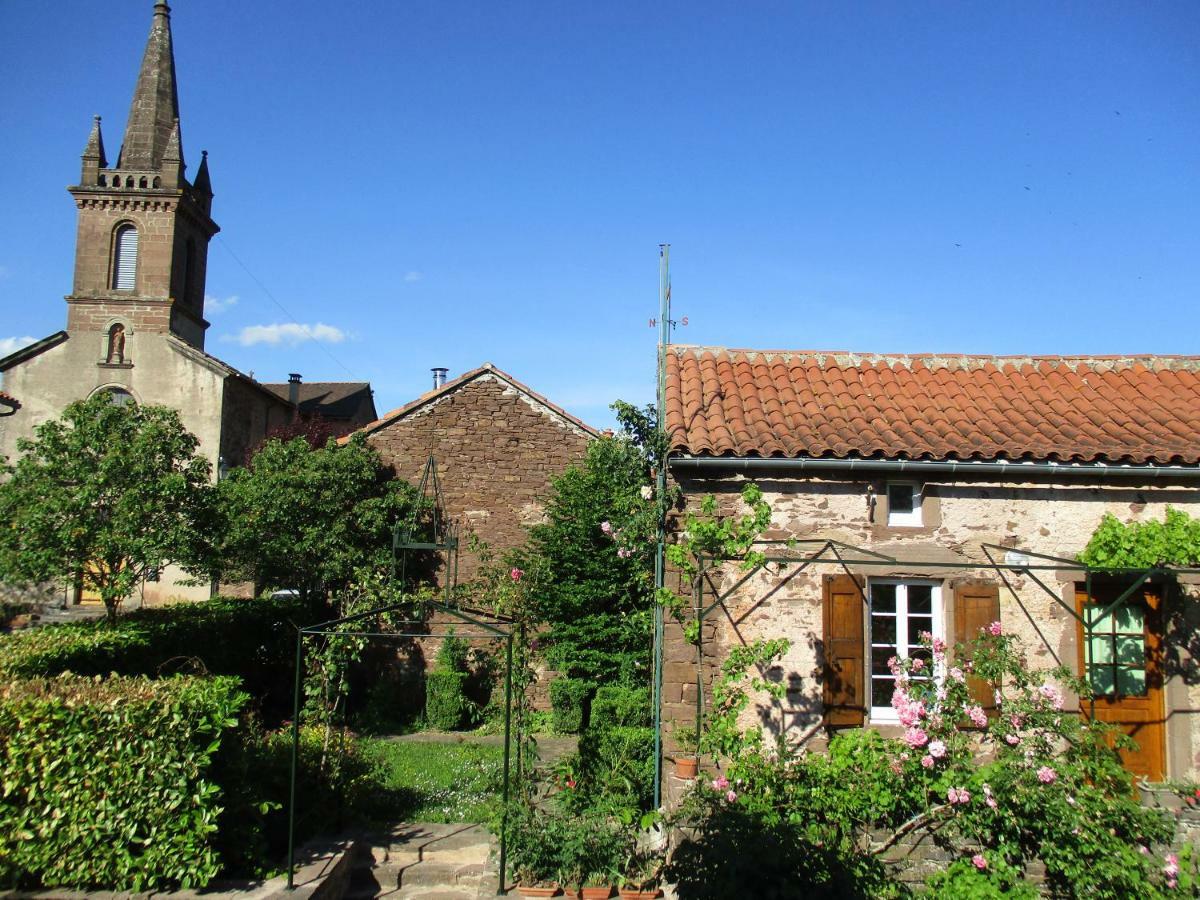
294	388
439	377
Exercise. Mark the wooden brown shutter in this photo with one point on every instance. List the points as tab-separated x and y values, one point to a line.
976	605
845	651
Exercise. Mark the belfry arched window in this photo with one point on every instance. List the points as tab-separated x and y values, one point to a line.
125	251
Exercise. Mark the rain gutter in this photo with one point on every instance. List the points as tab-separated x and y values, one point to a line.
1015	471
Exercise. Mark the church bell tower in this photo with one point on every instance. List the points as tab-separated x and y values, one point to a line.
142	244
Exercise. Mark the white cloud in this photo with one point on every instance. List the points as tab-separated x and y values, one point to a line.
217	305
13	344
413	276
290	333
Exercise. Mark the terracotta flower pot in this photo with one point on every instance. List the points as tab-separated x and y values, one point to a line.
600	892
538	891
628	893
686	767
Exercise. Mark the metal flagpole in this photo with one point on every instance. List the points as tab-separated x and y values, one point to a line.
664	338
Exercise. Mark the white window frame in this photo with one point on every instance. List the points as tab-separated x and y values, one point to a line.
886	714
905	519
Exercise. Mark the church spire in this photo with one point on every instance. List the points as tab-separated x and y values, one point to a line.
93	154
154	114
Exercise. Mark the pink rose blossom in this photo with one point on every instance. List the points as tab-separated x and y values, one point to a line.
937	749
1047	775
1012	740
958	795
915	738
994	629
918	664
939	646
905	756
1171	869
516	574
1144	850
987	793
927	762
956	674
1053	694
731	796
1016	720
979	862
720	783
606	527
977	716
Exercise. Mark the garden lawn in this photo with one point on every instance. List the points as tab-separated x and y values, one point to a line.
436	782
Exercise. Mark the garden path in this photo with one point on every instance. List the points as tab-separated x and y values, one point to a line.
427	861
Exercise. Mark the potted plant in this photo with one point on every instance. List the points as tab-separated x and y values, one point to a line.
644	858
688	738
534	849
603	862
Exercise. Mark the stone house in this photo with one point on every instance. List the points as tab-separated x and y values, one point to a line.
497	445
954	471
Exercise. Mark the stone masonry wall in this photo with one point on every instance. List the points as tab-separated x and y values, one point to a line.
1053	519
497	451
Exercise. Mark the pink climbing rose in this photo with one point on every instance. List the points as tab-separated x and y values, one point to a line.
1047	775
516	574
994	629
730	796
958	796
977	716
979	861
937	749
606	527
916	737
927	761
720	783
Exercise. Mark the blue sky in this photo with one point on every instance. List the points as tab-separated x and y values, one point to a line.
439	183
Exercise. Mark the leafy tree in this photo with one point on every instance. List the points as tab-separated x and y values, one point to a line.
594	558
1142	545
309	519
106	493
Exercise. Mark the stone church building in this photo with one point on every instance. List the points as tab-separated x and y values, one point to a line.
135	315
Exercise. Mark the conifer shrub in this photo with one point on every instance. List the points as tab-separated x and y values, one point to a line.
108	783
446	705
569	699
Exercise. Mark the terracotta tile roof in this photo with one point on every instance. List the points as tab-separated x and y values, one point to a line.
1130	409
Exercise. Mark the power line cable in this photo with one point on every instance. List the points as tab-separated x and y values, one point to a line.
262	287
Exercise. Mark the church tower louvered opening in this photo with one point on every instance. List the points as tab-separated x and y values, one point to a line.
142	244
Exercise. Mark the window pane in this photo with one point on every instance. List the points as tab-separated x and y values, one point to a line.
900	498
920	598
1103	680
882	690
1130	618
1131	682
916	626
879	660
1131	651
883	630
1102	650
1099	623
883	597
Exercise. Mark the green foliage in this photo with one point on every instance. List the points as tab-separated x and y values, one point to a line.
252	639
616	704
425	781
107	784
446	705
593	557
614	769
445	700
1142	545
964	880
310	519
106	493
548	846
569	699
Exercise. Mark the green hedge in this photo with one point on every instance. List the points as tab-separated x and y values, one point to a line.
616	767
252	639
569	701
618	705
446	704
107	783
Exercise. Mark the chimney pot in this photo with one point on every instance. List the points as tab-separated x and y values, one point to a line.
439	376
294	388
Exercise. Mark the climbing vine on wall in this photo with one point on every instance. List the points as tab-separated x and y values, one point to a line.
1138	545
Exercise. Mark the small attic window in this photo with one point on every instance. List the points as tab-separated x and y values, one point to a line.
125	258
904	503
